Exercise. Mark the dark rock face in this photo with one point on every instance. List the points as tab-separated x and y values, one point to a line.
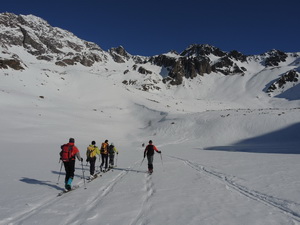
202	50
142	70
188	68
11	63
275	57
119	54
290	76
195	61
47	42
163	60
237	56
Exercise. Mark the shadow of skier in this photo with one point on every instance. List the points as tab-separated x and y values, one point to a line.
39	182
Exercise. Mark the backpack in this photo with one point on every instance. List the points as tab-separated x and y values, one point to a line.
66	153
150	150
103	148
89	151
111	150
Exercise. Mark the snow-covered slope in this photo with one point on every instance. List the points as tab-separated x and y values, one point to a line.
230	149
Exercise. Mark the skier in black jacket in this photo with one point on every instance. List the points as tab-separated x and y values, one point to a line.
149	151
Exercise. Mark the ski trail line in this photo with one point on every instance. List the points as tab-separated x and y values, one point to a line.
94	203
145	207
12	220
284	206
24	215
27	214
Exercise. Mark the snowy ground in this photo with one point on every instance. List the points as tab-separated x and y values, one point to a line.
230	155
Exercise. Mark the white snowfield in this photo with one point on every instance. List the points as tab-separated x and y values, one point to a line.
230	152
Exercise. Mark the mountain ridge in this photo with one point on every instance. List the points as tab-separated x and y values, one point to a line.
53	45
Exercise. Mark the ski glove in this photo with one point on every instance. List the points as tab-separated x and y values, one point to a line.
159	152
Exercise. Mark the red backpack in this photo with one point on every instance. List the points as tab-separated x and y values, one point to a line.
66	153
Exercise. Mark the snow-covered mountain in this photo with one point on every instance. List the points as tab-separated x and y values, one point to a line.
227	125
47	44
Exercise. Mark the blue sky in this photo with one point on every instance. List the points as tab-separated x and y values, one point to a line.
157	26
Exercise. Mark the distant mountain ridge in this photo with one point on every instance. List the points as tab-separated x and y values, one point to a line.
62	48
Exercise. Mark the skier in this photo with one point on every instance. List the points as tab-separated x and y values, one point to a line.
104	155
111	151
68	153
91	152
149	151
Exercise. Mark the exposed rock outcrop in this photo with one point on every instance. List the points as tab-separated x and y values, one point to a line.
47	42
274	57
291	76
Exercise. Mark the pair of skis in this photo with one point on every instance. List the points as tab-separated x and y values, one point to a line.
66	190
96	175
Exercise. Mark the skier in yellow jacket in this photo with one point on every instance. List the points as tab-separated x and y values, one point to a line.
91	152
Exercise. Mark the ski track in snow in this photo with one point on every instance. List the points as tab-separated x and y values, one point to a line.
86	213
146	206
97	199
282	205
24	215
75	218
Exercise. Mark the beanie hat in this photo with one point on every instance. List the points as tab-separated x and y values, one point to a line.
71	140
93	142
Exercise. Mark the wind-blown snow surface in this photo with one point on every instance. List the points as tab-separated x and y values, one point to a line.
230	152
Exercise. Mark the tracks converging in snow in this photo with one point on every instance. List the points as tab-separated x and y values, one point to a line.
284	206
75	218
95	201
145	207
144	192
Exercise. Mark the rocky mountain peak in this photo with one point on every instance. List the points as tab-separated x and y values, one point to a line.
274	57
119	54
196	50
45	42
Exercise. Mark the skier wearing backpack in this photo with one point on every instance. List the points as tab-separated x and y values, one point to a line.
91	152
111	151
149	151
104	155
68	153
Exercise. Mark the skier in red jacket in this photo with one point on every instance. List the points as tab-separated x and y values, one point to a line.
68	153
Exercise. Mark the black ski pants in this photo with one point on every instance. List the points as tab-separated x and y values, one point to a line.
150	162
92	165
111	159
104	160
70	169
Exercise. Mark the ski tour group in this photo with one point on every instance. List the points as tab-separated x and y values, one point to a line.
69	152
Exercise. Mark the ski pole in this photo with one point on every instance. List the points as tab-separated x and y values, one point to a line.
142	161
59	172
83	175
117	160
162	162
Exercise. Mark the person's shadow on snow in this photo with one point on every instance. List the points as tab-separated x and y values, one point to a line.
40	182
